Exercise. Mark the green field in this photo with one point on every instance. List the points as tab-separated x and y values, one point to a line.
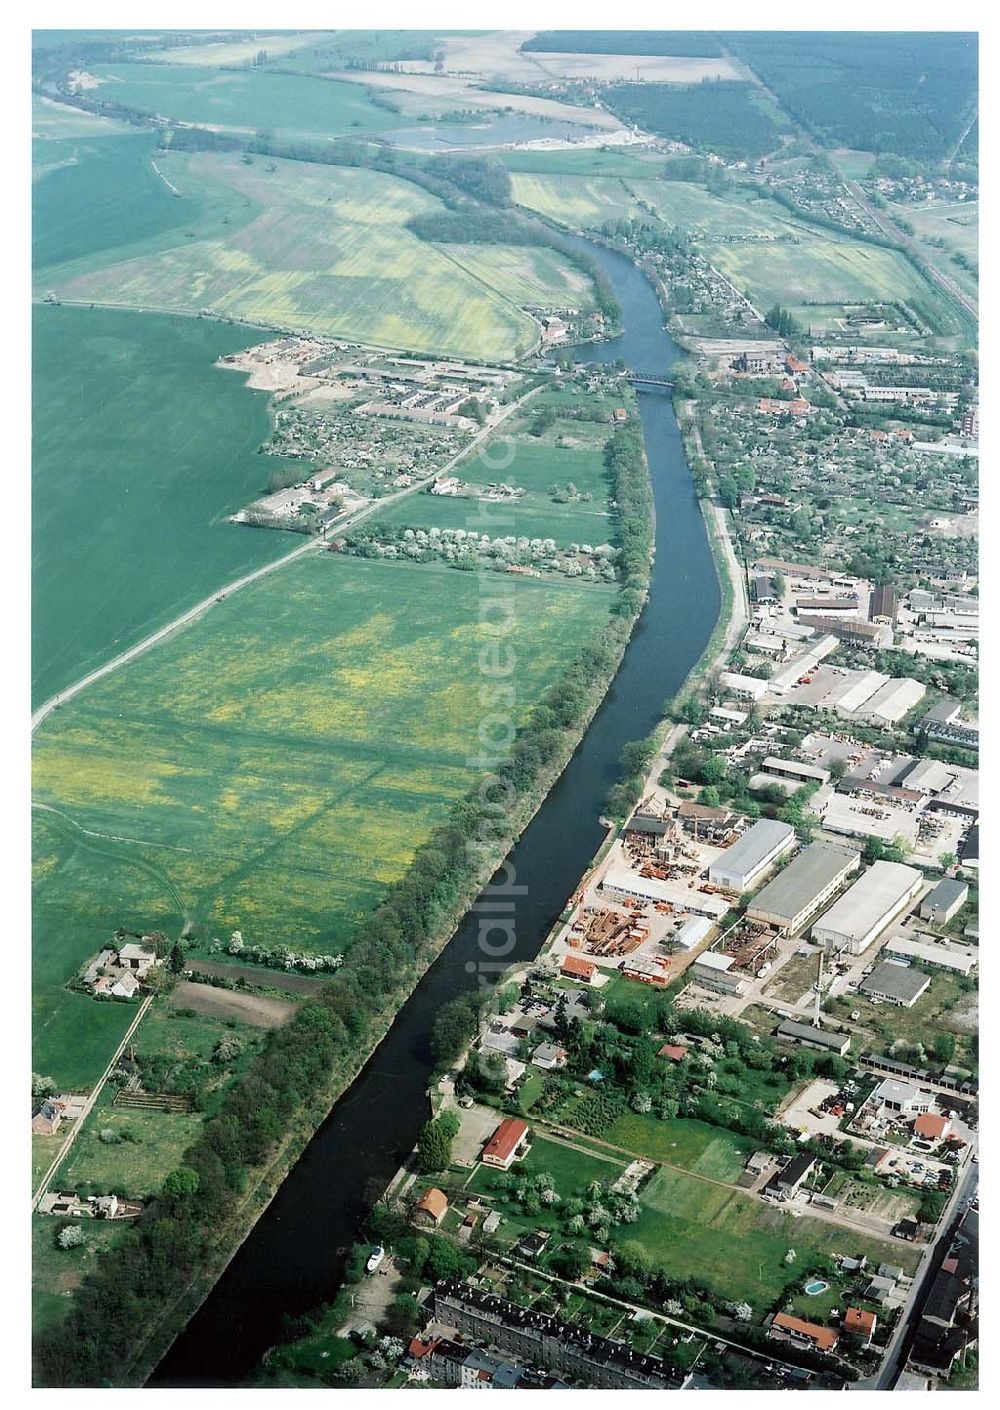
140	449
578	201
735	1243
57	121
251	100
572	1170
693	1145
829	271
957	225
274	767
151	1144
536	467
315	248
57	1272
682	203
524	274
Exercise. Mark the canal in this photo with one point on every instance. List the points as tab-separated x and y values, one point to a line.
292	1260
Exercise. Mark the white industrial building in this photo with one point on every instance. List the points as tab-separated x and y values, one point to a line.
945	901
781	681
809	880
713	971
791	768
749	858
894	700
871	815
692	932
750	686
862	689
623	884
956	959
872	903
893	983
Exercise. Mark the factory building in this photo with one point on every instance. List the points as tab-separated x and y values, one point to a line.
712	970
861	690
895	699
895	984
623	884
792	769
748	859
811	1037
872	903
956	959
803	886
748	686
945	901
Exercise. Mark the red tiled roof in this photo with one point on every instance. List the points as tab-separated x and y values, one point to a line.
506	1138
931	1125
673	1051
418	1347
434	1202
574	964
825	1338
857	1320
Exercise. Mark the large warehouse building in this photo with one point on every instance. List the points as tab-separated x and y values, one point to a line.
811	878
748	859
863	912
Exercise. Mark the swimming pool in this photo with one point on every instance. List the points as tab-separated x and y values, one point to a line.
816	1287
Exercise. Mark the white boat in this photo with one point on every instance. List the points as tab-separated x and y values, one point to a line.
374	1258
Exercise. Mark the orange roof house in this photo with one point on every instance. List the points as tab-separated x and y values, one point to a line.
787	1328
506	1143
674	1051
860	1323
575	967
431	1207
931	1126
795	364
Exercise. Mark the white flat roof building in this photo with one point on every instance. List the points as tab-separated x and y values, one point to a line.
748	858
863	912
749	686
621	881
871	816
954	958
727	717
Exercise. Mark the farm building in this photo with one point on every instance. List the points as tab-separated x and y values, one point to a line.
863	912
895	984
749	858
953	958
811	1037
945	901
809	880
138	958
507	1144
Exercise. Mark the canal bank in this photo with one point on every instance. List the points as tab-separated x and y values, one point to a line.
293	1258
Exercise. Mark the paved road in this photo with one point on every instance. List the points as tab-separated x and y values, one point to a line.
89	1106
228	589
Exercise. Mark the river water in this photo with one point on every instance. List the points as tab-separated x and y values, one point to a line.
293	1258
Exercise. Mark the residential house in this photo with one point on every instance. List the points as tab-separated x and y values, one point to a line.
860	1324
430	1209
576	967
784	1327
507	1144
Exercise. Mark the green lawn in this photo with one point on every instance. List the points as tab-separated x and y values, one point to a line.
57	1272
133	1167
571	1169
583	202
692	208
272	768
317	248
734	1242
692	1145
141	447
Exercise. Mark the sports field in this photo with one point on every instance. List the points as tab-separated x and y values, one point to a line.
737	1244
141	448
274	767
253	100
318	248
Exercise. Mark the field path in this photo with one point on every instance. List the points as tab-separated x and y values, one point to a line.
310	545
78	1123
